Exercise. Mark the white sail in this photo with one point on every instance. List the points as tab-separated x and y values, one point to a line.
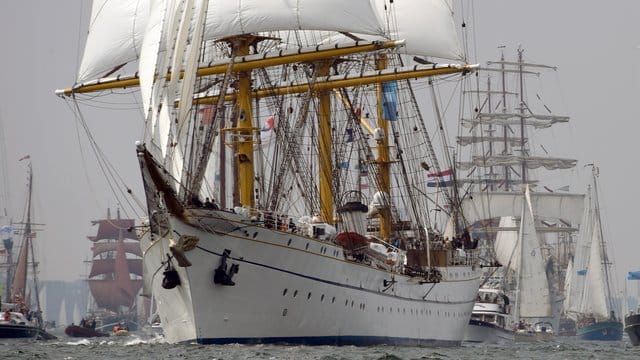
116	30
62	313
506	245
485	205
533	287
595	292
589	286
569	298
117	27
576	271
426	25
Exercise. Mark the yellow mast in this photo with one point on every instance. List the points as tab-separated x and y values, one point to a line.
383	181
243	132
325	144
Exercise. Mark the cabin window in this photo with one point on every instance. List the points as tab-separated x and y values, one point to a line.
309	296
322	298
295	293
289	242
333	299
307	247
284	312
284	292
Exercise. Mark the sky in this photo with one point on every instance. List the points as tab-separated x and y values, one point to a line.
594	44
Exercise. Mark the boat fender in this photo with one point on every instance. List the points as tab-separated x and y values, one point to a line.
221	276
170	279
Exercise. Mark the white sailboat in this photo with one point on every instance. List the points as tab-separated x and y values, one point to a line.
297	257
591	303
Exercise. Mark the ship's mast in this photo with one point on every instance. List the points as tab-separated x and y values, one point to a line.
603	250
383	181
325	145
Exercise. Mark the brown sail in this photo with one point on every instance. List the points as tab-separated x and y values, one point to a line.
115	277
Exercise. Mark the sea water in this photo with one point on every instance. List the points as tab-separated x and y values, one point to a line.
154	347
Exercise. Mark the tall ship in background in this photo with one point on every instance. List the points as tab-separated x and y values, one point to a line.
20	311
115	277
285	169
526	228
590	300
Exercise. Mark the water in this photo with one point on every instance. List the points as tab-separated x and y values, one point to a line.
143	347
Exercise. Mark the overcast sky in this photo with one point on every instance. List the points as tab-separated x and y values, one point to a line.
594	44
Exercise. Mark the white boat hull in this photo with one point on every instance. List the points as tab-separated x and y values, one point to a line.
294	289
484	332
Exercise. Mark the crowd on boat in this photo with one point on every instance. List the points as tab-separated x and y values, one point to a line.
19	313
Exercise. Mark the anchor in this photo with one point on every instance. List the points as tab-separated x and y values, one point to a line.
221	275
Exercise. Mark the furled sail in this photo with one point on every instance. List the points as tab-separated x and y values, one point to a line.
486	205
534	296
502	119
468	140
531	162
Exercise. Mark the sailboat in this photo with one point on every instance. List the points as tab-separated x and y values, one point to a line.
319	235
594	309
21	315
516	220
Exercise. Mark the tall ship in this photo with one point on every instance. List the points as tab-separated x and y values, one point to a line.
526	227
285	163
115	277
20	311
590	299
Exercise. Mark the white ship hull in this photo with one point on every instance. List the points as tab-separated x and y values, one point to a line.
289	288
294	289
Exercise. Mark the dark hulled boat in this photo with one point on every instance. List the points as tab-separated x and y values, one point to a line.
632	327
